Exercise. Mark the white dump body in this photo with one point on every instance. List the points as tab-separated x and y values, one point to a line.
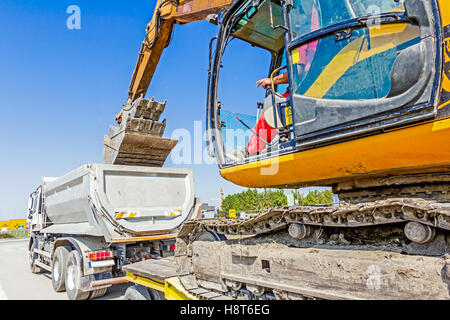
117	201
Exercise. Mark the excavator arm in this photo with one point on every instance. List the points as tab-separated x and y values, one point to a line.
137	140
159	30
158	34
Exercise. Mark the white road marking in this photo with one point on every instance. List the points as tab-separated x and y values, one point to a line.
3	295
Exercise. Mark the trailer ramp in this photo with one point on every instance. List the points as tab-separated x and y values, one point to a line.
162	275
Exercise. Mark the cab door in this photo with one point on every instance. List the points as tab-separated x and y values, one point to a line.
360	66
35	219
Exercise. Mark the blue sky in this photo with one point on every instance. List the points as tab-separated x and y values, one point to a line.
60	89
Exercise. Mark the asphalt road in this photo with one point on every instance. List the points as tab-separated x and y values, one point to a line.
18	283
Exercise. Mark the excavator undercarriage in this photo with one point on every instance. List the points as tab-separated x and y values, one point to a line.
428	186
386	249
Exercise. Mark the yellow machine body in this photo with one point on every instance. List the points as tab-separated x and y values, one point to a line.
420	148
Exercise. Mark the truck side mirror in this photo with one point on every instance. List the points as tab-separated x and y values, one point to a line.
30	203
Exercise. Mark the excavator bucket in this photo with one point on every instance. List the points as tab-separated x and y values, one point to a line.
137	140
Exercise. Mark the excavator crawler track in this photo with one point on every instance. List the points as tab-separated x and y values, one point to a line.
434	186
351	251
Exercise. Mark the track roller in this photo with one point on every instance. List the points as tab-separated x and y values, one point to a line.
299	231
418	232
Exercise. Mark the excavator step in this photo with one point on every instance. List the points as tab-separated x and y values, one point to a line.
138	138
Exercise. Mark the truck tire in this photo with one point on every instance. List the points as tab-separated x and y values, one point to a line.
157	295
73	278
32	257
137	292
59	268
97	293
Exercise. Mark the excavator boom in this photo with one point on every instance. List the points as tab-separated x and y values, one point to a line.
137	140
159	30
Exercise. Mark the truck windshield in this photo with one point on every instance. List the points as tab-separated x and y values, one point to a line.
310	15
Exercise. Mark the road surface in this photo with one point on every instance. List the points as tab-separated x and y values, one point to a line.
18	283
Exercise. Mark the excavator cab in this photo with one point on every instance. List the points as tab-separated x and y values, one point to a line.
356	68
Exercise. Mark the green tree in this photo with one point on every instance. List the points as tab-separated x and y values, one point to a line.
251	199
314	197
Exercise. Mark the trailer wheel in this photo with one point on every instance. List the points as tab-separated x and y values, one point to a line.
97	293
73	278
210	236
32	257
137	292
59	268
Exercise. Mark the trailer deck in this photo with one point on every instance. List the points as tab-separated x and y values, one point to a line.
160	275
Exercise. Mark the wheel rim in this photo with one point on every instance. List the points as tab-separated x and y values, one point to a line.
55	272
70	277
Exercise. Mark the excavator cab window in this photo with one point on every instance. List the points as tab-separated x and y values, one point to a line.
252	26
322	68
360	66
356	67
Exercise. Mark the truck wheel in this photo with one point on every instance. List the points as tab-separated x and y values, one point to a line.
97	293
59	268
157	295
73	278
137	292
32	257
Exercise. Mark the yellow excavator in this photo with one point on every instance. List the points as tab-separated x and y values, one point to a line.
366	112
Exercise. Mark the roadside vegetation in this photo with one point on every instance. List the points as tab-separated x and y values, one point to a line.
13	234
252	200
314	197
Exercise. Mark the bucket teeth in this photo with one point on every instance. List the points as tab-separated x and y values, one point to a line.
145	126
149	109
138	139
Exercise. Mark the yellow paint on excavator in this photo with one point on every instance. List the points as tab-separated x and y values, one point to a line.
421	148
